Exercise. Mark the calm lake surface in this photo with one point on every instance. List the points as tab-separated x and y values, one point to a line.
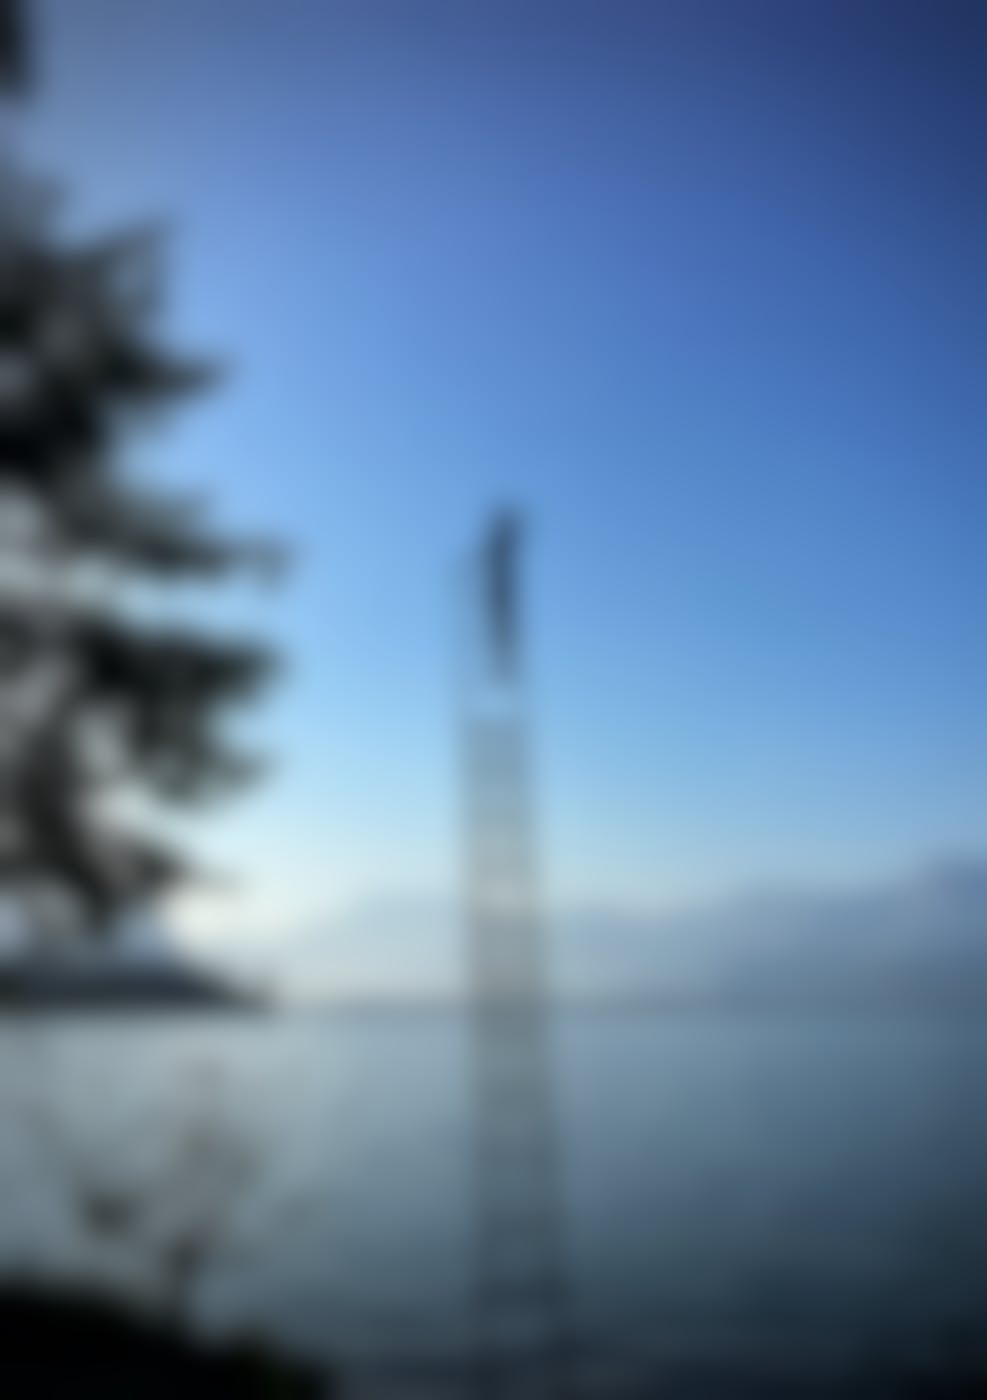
736	1186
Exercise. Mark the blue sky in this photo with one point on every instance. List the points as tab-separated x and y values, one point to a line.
699	284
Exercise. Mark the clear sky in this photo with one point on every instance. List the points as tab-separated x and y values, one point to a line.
701	284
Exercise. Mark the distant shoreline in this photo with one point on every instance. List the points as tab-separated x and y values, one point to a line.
699	1006
37	989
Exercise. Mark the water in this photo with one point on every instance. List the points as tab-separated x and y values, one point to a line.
738	1188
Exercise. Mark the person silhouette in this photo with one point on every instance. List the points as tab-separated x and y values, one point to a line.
501	571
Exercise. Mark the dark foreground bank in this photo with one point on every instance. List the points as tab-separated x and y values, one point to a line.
66	1344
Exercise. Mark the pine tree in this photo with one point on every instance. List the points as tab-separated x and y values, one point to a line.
96	704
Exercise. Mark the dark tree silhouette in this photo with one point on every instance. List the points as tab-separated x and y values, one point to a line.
97	702
14	66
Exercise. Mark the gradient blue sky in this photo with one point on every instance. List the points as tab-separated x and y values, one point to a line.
701	284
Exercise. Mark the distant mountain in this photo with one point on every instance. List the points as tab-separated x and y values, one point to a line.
922	942
917	941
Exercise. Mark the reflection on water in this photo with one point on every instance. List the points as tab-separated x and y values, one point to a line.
748	1191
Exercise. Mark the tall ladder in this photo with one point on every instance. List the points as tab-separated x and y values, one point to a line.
520	1279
